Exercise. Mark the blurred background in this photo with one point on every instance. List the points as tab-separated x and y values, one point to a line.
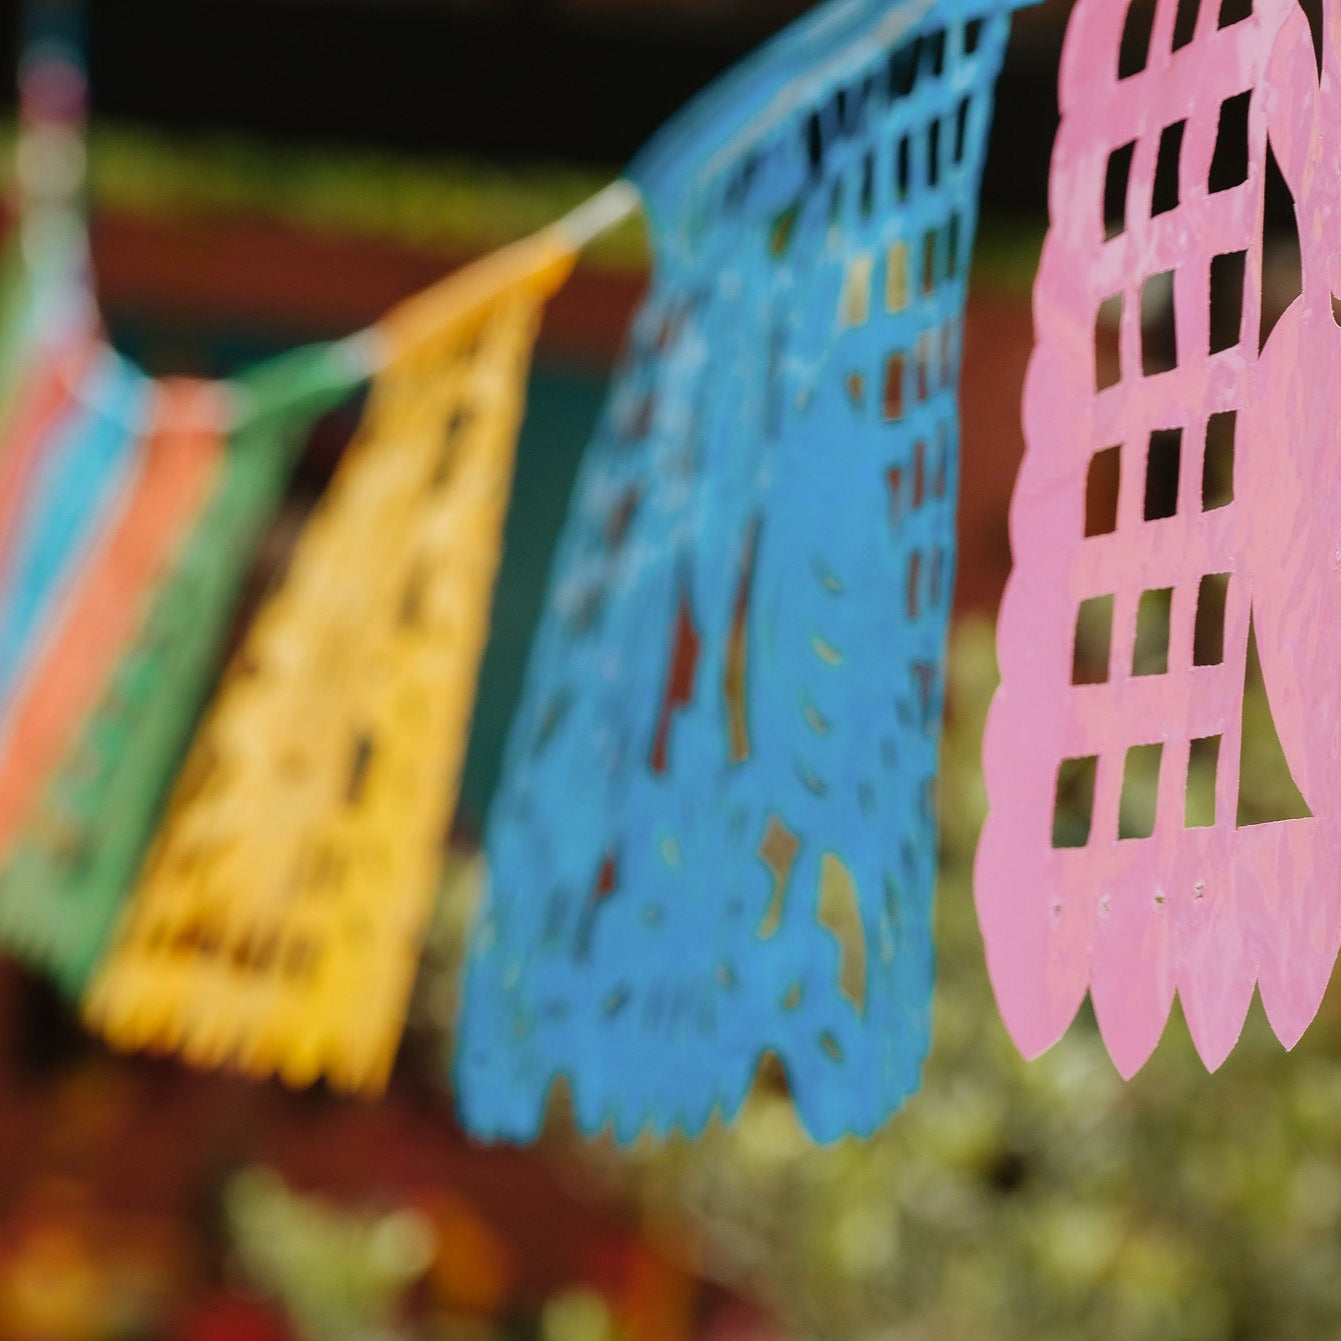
267	172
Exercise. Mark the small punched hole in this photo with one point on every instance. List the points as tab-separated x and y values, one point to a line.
1073	811
1101	492
1203	765
1217	471
1140	792
1229	166
1165	195
1228	275
1208	642
1094	641
1116	181
1153	618
1163	463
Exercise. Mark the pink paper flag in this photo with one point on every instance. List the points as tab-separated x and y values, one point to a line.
1179	503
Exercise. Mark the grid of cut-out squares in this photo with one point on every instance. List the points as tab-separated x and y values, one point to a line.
1105	651
1162	463
1163	347
924	482
929	165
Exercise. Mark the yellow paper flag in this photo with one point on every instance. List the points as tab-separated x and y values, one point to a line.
279	918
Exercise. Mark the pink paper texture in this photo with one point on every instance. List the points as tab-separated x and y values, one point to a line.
1207	912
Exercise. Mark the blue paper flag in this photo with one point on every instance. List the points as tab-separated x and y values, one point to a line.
716	835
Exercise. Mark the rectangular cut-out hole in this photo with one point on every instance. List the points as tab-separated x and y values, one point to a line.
1159	335
933	53
856	304
1208	642
962	113
903	69
1185	25
1073	809
1203	765
896	278
1101	491
1161	473
1094	641
972	36
895	367
894	482
1153	618
1165	195
903	168
1228	275
929	262
1107	329
1116	181
1217	469
866	196
926	361
1134	52
954	236
914	584
1229	166
949	353
934	138
919	473
1235	11
360	762
1140	791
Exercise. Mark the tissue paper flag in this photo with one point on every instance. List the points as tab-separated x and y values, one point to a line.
278	921
1174	527
128	513
118	655
715	835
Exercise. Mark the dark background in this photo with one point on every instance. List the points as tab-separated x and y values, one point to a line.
519	80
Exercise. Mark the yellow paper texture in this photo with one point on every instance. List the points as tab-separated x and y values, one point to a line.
278	921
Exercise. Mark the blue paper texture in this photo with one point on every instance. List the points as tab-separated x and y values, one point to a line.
716	834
